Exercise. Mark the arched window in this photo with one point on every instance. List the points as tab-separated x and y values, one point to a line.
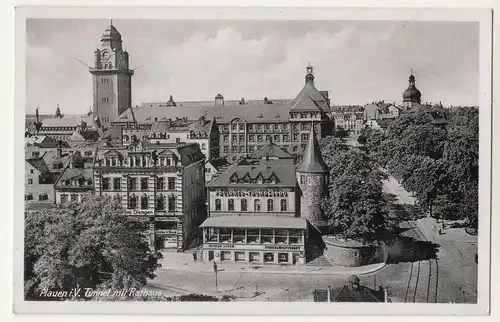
144	202
283	205
160	202
132	202
171	203
256	205
218	204
270	205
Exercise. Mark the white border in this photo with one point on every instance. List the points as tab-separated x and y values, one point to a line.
241	308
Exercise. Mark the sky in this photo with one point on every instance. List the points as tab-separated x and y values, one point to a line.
357	61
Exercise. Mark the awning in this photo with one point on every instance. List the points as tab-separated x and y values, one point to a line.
255	221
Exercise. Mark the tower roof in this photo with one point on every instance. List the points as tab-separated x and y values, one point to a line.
111	33
412	94
312	161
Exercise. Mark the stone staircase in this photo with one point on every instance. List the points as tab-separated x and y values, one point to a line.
320	261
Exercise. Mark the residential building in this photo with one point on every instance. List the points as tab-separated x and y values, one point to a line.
162	184
76	181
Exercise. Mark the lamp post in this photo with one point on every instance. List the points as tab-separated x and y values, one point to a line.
215	271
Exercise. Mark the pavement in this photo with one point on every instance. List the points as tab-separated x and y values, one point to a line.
185	262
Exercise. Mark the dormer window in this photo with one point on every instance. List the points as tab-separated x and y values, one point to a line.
234	178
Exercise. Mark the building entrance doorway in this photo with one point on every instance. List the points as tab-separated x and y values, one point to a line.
210	255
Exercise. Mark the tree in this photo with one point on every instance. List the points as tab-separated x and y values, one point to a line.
90	244
355	206
340	132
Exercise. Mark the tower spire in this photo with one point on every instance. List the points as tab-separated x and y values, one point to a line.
312	161
110	22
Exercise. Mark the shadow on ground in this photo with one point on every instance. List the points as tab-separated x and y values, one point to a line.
408	249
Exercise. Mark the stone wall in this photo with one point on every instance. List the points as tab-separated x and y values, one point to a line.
312	191
348	255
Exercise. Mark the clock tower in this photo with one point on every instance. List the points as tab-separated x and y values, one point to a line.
111	78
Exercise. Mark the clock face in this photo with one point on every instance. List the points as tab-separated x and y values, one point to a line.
105	56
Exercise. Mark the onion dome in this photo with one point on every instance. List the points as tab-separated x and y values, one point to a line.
111	33
412	94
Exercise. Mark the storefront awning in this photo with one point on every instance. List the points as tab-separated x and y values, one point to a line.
255	222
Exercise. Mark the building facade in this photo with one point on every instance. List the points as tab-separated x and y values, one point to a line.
254	212
245	128
163	185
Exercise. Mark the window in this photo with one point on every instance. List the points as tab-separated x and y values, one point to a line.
285	137
234	149
132	202
234	138
267	236
242	137
225	138
160	202
242	127
281	236
30	181
283	205
239	257
275	126
105	100
282	257
116	183
88	153
171	183
105	184
270	205
268	257
238	236
35	154
295	137
218	204
160	183
277	138
302	179
64	198
144	183
256	205
28	197
259	138
233	127
251	148
43	196
171	203
213	234
304	137
230	204
268	127
226	148
242	149
253	236
203	146
144	202
132	183
254	257
31	171
244	205
259	128
225	235
295	236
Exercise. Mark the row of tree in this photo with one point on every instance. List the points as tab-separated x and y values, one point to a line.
85	245
439	164
356	206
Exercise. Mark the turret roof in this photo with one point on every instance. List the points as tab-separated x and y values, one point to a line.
312	161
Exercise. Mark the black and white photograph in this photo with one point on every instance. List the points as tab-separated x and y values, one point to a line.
244	159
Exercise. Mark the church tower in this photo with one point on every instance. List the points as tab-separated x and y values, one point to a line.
312	175
412	96
309	75
111	78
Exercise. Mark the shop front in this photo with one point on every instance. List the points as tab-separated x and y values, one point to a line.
257	239
165	234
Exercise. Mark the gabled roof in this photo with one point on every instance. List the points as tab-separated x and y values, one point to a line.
312	161
285	174
309	91
218	163
39	164
306	103
270	150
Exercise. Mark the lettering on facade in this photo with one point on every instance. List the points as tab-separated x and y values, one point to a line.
139	212
251	193
221	245
283	247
